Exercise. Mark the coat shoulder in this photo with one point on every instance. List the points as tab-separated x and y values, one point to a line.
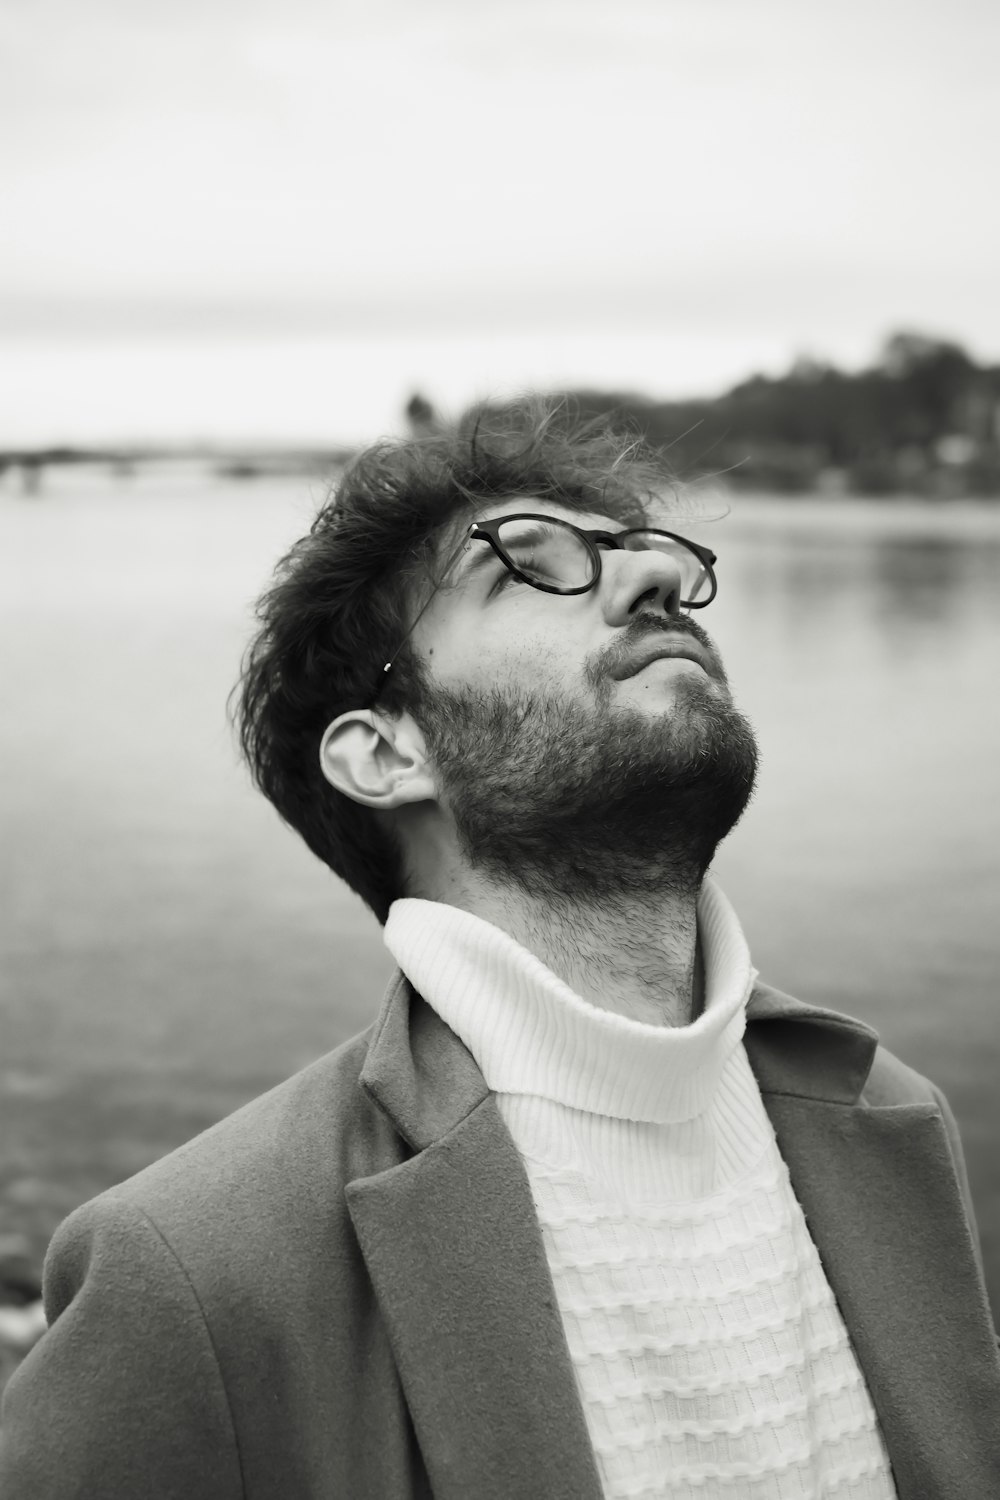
221	1294
891	1081
319	1122
268	1179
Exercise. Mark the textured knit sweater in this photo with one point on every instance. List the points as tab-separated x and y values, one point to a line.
709	1351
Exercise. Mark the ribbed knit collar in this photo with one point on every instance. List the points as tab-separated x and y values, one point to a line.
531	1034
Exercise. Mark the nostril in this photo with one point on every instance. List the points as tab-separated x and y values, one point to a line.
649	597
671	599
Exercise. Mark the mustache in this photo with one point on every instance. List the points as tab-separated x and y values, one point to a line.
648	625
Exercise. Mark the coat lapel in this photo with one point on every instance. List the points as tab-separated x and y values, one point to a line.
453	1248
881	1197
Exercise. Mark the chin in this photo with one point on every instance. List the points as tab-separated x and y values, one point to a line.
689	687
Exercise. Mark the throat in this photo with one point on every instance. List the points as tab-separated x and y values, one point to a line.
640	962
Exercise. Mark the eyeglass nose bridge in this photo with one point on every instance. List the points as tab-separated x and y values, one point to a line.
616	542
704	555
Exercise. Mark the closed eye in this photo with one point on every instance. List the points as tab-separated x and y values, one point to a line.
506	576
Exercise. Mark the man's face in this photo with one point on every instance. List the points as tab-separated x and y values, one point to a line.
570	761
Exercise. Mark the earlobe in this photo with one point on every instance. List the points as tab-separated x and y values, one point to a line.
371	766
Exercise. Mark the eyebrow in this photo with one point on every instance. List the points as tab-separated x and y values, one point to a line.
485	555
480	558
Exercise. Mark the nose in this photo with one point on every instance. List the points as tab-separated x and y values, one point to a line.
639	580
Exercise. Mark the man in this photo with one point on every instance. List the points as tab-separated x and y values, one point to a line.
588	1210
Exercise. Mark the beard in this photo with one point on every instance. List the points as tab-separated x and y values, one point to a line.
570	802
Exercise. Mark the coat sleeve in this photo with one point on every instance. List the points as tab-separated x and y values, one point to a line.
122	1396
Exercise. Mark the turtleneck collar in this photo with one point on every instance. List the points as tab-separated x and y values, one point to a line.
531	1034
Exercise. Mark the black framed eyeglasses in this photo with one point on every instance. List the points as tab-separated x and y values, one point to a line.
548	553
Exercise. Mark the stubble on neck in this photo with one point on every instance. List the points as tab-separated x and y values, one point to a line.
641	960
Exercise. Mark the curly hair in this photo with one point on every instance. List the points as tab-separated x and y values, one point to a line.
344	595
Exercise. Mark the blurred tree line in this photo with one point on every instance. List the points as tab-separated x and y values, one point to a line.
923	420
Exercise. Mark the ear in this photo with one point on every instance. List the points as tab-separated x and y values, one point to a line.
379	761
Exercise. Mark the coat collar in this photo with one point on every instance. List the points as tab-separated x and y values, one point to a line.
417	1070
807	1051
453	1247
426	1081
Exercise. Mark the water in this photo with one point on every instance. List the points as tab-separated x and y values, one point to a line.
169	949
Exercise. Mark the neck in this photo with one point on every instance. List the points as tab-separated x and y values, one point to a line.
641	960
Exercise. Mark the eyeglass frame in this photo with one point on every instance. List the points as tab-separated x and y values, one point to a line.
487	531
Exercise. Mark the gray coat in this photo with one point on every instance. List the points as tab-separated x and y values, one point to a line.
340	1292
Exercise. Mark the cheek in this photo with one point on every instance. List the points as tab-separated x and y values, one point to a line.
542	670
494	662
521	644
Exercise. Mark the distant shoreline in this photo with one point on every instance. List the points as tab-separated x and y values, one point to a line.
124	460
703	504
25	471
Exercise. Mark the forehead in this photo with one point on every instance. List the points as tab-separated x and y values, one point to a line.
492	510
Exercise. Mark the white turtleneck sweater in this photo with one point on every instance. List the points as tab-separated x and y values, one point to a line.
710	1354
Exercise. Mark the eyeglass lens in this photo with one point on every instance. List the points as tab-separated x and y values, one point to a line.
552	553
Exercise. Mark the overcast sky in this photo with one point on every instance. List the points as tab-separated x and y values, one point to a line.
279	217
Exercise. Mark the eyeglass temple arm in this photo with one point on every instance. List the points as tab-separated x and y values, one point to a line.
444	574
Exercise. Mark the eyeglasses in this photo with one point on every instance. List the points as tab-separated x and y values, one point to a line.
552	555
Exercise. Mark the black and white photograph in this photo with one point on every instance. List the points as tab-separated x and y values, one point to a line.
499	733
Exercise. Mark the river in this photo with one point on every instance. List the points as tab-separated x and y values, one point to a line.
169	949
